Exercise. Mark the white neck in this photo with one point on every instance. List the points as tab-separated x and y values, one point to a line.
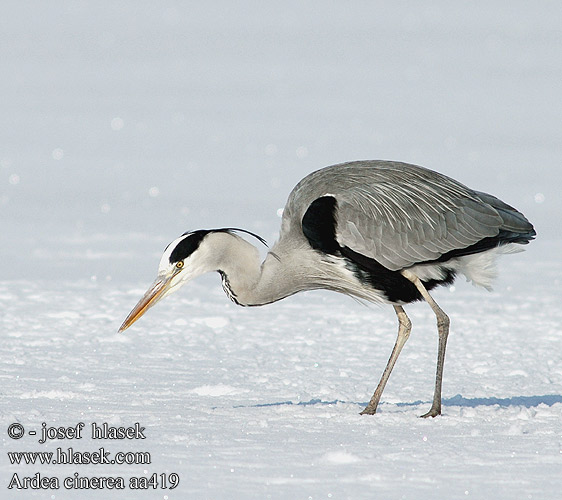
286	270
250	282
246	280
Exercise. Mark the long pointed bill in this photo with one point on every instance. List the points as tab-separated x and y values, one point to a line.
152	295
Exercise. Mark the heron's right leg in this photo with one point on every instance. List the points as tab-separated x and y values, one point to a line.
443	331
405	326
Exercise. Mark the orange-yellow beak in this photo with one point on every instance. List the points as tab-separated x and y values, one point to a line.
152	295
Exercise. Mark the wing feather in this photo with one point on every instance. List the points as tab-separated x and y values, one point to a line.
401	214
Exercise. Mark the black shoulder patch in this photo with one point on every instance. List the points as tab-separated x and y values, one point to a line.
319	225
188	245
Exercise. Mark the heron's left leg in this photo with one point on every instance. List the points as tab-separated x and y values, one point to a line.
443	330
405	326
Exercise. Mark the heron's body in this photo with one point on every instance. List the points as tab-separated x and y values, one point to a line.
380	231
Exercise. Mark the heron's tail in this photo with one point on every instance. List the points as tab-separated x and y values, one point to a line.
515	228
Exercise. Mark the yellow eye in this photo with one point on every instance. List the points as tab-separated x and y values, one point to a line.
179	264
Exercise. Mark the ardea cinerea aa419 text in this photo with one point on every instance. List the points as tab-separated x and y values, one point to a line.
380	231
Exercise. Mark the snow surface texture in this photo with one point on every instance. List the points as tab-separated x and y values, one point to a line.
125	124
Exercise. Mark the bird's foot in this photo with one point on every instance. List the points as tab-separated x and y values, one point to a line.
369	410
433	412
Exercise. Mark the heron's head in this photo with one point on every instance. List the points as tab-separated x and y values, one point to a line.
185	258
191	255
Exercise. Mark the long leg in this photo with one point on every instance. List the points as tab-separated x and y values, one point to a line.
443	331
405	326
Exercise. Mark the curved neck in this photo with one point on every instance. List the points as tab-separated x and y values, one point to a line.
291	266
246	280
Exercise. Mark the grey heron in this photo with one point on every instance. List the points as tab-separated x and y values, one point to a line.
381	231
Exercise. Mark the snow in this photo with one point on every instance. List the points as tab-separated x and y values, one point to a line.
125	124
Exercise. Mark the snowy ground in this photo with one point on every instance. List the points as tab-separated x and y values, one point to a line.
123	125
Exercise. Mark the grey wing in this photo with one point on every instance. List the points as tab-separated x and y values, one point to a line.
401	214
405	219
